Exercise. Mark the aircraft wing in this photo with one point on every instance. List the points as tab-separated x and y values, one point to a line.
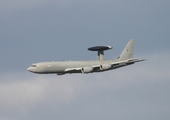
72	69
83	69
97	67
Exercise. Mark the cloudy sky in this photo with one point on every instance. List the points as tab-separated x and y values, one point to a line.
39	30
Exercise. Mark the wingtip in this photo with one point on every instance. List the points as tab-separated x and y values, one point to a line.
144	59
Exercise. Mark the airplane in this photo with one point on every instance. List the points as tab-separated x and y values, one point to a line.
84	67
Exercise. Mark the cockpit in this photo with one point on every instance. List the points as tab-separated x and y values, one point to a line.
33	65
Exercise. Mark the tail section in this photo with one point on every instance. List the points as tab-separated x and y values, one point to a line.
128	51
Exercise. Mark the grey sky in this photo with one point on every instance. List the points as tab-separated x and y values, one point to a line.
40	30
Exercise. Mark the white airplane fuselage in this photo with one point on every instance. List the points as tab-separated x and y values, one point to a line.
60	67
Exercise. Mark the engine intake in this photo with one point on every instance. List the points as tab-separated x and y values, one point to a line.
86	69
105	67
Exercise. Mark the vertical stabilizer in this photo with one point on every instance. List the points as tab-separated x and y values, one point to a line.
128	51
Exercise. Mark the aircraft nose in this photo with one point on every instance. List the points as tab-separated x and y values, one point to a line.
29	69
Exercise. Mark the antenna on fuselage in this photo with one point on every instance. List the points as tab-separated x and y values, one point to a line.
100	51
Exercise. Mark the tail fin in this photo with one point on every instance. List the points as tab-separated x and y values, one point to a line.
127	53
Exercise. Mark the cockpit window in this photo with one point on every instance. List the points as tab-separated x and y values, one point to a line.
33	65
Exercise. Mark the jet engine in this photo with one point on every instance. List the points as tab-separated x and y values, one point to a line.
86	69
105	67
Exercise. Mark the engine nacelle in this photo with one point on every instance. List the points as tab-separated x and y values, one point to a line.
86	69
105	67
